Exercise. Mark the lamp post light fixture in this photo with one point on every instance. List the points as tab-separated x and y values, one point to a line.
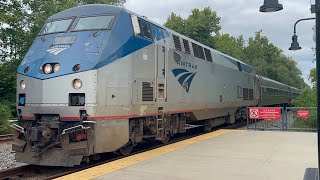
295	44
272	6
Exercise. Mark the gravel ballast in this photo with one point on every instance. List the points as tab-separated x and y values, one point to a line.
7	157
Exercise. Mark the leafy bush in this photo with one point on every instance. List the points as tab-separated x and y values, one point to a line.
307	98
311	122
5	115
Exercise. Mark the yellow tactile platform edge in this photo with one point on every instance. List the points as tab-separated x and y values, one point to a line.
103	169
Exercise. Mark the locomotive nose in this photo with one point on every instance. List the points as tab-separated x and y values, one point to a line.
67	96
73	52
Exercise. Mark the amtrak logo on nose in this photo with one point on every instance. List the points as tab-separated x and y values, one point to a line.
185	77
55	50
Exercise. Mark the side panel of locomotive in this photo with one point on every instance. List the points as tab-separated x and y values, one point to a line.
158	79
181	82
216	89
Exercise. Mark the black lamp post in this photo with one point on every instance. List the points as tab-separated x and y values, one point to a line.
272	6
295	44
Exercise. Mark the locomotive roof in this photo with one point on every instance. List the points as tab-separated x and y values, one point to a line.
276	82
84	9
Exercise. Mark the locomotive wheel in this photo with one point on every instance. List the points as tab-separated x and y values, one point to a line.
207	128
167	139
126	150
95	157
86	159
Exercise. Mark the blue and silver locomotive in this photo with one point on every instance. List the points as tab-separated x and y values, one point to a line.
100	78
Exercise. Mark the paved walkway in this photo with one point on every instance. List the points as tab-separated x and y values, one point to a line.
223	154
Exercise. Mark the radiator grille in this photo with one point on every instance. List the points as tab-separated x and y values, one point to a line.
147	91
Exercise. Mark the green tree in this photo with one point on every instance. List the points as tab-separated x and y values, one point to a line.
307	98
8	81
313	76
176	23
270	61
199	25
5	116
230	45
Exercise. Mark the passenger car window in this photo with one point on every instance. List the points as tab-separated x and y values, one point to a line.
56	26
94	22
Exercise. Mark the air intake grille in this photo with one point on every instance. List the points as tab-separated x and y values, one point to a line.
195	50
250	94
245	94
201	53
186	46
177	43
147	91
208	54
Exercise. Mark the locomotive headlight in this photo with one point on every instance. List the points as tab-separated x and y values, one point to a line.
22	85
56	67
77	84
47	68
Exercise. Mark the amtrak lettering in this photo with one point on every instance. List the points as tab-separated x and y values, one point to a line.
55	50
187	64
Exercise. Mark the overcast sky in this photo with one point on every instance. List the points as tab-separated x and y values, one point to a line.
242	17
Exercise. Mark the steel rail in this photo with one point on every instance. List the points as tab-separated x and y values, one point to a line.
7	137
15	172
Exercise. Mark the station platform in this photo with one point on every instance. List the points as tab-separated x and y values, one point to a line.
223	154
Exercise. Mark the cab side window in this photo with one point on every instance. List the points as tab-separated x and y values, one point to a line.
145	29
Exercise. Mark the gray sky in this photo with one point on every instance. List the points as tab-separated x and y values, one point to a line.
242	17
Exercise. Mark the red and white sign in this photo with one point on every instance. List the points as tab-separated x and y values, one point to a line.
303	114
266	113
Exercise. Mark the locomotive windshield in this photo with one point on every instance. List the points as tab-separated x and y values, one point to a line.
96	22
56	26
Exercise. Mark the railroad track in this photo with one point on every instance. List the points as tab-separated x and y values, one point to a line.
46	173
5	138
14	172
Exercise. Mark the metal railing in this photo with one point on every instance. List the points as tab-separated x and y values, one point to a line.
300	119
293	119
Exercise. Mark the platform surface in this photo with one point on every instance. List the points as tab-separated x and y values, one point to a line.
223	154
